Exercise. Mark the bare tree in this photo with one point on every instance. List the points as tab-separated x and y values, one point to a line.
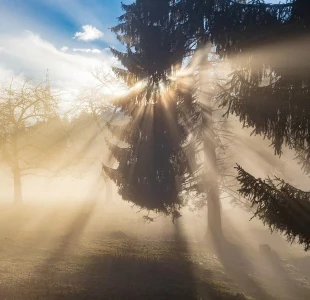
24	107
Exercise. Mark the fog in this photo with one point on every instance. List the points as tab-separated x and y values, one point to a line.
69	228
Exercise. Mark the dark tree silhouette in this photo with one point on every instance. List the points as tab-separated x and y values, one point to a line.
268	48
268	91
279	205
269	87
153	165
267	45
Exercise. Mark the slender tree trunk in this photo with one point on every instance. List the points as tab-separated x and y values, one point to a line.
213	199
210	159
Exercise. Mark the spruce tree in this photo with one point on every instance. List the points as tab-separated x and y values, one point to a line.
268	47
269	91
153	165
279	205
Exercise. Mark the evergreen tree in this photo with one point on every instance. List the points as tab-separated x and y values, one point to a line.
241	32
267	46
269	91
279	205
269	87
153	165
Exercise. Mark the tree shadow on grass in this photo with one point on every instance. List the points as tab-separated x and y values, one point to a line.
24	237
237	265
303	265
73	235
259	274
163	270
138	270
282	280
41	285
74	231
118	269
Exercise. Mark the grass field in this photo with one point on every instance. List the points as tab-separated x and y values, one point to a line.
89	252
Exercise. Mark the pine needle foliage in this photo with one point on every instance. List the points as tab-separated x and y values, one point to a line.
279	205
267	46
269	88
269	91
153	149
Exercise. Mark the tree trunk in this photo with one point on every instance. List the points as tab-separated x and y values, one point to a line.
210	159
17	187
211	180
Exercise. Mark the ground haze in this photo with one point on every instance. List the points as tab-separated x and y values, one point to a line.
102	249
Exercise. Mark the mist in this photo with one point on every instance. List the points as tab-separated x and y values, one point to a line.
161	159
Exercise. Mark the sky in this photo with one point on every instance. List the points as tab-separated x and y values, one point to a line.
70	38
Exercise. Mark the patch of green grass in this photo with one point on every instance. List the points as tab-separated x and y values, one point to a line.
112	269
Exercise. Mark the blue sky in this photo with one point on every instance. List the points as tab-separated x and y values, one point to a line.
58	20
67	37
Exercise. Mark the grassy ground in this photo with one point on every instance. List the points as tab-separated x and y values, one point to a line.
64	253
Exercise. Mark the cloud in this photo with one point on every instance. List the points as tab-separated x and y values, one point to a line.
31	55
89	33
95	51
64	49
